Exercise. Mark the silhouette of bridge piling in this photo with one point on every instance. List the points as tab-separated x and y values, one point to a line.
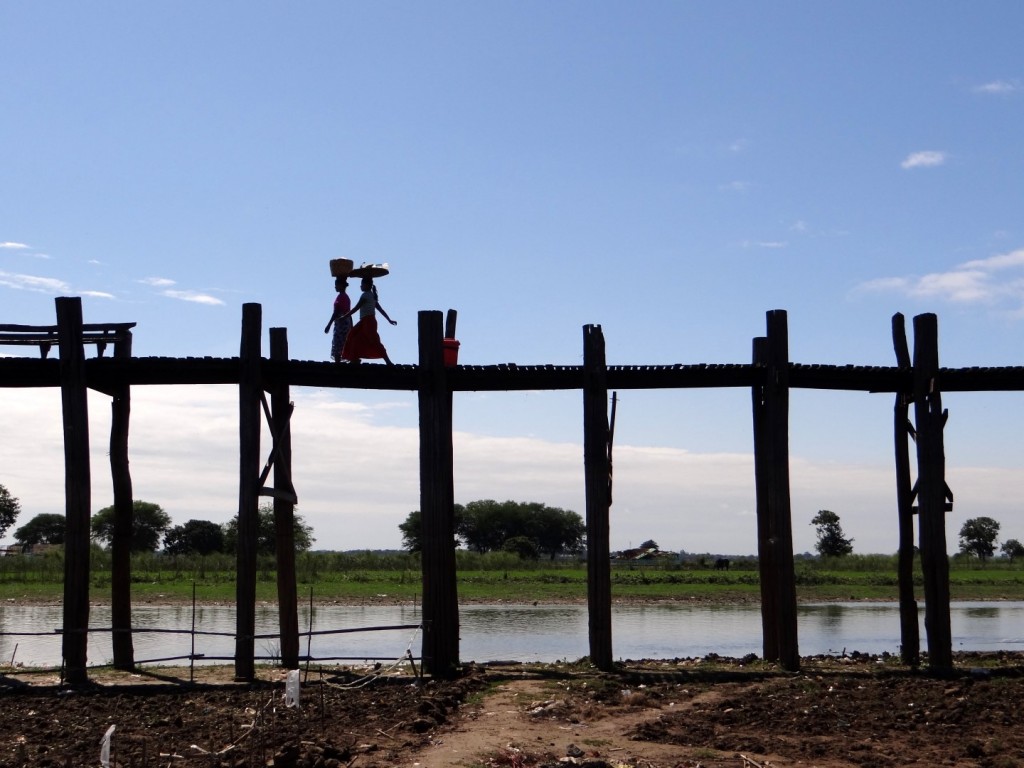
770	377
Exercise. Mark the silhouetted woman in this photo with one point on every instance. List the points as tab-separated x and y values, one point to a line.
340	319
363	340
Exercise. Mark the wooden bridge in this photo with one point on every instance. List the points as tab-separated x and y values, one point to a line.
769	376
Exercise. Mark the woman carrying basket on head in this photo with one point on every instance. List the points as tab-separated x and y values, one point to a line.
340	319
363	340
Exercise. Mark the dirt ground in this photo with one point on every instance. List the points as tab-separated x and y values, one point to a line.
853	711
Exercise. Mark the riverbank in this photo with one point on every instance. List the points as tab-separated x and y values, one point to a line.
553	586
840	712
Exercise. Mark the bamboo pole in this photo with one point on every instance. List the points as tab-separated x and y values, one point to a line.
596	478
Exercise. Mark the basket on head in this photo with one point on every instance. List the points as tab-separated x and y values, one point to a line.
341	267
370	270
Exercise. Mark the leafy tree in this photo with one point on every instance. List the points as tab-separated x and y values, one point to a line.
47	528
523	546
650	544
10	507
412	529
149	522
200	537
266	537
558	530
831	542
978	537
486	525
1012	549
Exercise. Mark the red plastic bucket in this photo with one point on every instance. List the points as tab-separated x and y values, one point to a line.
451	352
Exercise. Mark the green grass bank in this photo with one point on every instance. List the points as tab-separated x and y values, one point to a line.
498	578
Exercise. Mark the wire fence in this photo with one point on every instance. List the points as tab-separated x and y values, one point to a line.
195	633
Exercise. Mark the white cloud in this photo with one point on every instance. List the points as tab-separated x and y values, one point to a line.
973	282
962	285
997	87
926	159
194	296
157	282
357	479
13	246
1000	261
34	283
97	294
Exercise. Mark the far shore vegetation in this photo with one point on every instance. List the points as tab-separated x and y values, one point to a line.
500	577
508	552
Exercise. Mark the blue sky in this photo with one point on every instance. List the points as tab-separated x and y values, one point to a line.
670	171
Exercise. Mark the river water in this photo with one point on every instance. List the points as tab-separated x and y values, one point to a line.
510	632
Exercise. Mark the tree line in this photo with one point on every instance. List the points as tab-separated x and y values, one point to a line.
978	538
529	529
150	524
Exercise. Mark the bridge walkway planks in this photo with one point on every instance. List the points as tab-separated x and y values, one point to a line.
104	374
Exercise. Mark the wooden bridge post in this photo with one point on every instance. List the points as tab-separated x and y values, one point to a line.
437	504
776	466
250	389
595	466
77	487
284	508
124	511
910	635
932	492
765	551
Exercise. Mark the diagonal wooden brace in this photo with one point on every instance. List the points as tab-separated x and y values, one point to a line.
285	494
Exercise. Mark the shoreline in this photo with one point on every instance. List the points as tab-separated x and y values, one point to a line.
384	600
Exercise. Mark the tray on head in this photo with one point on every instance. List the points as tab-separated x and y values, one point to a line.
370	270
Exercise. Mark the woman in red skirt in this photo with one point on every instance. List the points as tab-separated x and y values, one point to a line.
363	340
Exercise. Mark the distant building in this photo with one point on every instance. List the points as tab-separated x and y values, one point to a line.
648	555
11	550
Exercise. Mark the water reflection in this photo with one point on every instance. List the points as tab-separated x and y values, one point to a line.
513	632
982	612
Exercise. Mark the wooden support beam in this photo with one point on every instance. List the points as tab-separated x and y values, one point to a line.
596	470
77	488
931	469
765	550
284	509
124	506
437	504
776	466
250	391
279	422
910	634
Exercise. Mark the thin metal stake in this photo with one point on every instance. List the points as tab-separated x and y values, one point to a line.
192	655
